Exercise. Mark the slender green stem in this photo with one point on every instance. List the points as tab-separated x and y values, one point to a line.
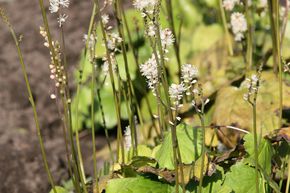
224	22
288	178
255	144
118	15
31	99
179	158
249	54
176	43
116	99
203	151
93	85
74	154
276	39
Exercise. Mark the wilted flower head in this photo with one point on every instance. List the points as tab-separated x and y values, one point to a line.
150	71
239	25
188	72
229	4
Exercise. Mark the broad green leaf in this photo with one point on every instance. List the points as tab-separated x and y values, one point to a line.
59	189
242	179
232	109
265	152
137	185
189	140
211	184
205	36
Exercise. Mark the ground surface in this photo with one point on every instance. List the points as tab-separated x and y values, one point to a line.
21	168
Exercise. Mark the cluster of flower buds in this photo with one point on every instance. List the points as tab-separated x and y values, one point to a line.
57	72
198	96
252	85
55	6
105	67
92	40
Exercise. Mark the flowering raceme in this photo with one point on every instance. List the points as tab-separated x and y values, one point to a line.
144	4
150	71
176	92
188	73
167	38
230	4
54	6
239	25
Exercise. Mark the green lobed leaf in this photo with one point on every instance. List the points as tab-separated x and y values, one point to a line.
189	140
137	185
211	184
242	179
265	152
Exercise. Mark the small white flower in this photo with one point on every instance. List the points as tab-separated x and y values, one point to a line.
144	4
167	38
113	40
53	6
61	19
150	71
92	40
127	138
239	24
53	96
64	3
151	30
105	19
188	73
105	67
229	4
176	92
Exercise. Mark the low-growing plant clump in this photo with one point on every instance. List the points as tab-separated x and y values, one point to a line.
197	92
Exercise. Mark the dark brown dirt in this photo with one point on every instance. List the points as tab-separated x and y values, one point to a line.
21	167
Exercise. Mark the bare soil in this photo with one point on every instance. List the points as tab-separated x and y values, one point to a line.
21	167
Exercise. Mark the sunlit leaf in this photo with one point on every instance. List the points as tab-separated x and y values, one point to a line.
242	179
59	189
189	140
137	185
265	152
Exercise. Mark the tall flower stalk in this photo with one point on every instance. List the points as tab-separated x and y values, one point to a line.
253	84
30	98
276	41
